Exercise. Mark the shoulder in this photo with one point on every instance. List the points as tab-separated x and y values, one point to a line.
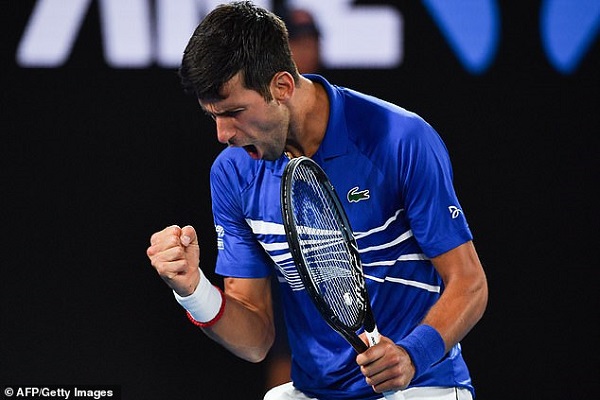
381	113
232	158
368	109
373	122
235	171
234	166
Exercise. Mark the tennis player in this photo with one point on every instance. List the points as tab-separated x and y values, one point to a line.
392	170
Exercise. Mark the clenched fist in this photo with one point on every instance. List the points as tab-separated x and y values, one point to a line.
175	254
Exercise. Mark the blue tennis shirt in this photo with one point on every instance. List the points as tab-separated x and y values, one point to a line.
393	174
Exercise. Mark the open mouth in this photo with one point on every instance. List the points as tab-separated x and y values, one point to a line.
252	151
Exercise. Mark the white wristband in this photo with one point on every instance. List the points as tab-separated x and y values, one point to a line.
205	303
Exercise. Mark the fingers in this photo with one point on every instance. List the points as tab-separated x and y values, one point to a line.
170	271
159	237
188	236
386	366
174	254
372	353
167	251
173	259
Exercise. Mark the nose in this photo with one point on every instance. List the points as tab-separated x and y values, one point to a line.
225	130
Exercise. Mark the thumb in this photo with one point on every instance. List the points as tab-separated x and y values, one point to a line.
188	236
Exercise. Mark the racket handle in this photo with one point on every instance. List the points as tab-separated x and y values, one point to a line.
373	338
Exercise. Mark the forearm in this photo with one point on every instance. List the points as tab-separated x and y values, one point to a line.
246	332
465	294
240	319
459	308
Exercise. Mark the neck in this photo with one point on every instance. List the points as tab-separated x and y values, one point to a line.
309	117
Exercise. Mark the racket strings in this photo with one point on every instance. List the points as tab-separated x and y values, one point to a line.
325	248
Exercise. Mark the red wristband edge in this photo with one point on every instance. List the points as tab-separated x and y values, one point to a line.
217	317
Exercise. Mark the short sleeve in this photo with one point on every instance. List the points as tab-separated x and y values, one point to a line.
238	252
436	218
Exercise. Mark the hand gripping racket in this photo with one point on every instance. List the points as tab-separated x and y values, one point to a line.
325	253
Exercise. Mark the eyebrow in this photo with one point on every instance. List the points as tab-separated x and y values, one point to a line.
223	113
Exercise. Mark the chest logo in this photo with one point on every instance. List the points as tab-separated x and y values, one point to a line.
354	195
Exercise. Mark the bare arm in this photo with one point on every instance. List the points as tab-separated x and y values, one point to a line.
246	326
465	295
388	366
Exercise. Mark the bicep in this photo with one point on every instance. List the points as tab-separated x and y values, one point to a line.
252	293
461	264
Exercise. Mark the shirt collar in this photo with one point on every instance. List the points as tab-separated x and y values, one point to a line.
335	142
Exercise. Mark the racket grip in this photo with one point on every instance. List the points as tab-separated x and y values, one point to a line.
373	338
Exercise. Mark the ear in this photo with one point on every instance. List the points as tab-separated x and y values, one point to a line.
282	86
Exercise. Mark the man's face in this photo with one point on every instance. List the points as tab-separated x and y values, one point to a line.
245	119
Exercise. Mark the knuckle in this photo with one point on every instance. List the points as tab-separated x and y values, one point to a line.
172	240
395	357
178	253
172	230
150	251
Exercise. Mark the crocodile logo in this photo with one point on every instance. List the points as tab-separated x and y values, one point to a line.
355	195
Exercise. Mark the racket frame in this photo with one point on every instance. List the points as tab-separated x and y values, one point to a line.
366	318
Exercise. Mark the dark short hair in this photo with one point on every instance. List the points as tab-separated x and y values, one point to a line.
236	37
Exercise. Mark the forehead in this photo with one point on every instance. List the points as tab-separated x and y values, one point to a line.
233	94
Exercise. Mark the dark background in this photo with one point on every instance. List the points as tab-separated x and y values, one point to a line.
95	159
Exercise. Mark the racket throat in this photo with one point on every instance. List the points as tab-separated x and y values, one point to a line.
358	345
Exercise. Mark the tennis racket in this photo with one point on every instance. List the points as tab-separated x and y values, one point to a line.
326	254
